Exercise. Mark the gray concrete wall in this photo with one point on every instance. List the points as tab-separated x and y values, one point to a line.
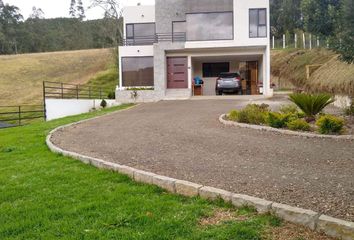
160	68
167	11
125	96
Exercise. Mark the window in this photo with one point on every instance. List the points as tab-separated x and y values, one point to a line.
137	71
210	26
258	23
179	31
140	33
214	69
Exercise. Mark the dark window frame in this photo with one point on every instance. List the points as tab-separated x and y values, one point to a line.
233	27
211	75
153	67
258	25
133	29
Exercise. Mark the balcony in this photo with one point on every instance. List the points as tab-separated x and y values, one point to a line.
157	38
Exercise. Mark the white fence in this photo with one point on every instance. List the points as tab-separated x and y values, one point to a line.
300	41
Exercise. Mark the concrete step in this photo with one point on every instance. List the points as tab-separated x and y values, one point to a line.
176	94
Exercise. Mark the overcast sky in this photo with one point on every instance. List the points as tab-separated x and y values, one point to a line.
60	8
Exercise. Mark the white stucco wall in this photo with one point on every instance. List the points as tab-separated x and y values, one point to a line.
59	108
138	14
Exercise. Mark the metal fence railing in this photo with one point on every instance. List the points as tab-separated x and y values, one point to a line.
12	116
156	38
60	90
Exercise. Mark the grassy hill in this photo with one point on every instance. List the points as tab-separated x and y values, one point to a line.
22	75
289	71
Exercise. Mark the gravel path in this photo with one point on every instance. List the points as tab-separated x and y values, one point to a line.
184	140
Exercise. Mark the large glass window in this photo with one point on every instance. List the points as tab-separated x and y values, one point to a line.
137	71
258	23
210	26
140	33
214	69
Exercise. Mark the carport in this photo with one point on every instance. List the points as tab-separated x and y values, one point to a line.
250	68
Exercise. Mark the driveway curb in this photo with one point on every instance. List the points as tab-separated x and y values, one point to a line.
331	226
282	131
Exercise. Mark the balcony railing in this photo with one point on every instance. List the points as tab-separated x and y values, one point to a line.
158	37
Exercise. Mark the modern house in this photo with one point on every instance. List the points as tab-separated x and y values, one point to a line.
167	45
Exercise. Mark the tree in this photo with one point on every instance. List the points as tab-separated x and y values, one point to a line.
345	45
37	13
77	10
9	19
72	10
80	10
112	11
285	16
320	16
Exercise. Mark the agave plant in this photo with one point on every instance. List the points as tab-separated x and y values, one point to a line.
311	104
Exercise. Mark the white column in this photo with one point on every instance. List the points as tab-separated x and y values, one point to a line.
284	39
267	91
120	85
190	72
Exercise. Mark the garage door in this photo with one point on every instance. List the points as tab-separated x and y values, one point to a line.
177	72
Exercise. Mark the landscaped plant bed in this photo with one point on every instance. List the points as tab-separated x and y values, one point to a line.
310	121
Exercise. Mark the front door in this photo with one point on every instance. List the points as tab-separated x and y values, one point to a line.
177	72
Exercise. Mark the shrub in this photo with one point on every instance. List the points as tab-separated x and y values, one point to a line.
291	108
111	95
349	111
103	103
233	115
329	124
311	104
299	125
253	114
279	120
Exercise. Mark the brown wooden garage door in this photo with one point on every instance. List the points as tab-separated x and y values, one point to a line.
177	72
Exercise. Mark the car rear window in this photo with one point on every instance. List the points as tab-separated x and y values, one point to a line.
229	75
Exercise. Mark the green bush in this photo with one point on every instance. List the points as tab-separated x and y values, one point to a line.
329	124
289	109
299	125
111	95
103	103
253	114
311	104
279	120
233	115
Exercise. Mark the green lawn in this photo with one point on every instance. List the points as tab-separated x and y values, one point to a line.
47	196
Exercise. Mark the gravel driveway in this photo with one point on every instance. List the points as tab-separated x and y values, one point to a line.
184	140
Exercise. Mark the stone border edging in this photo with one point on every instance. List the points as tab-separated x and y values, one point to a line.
331	226
282	131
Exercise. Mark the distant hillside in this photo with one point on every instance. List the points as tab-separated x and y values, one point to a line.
289	71
22	75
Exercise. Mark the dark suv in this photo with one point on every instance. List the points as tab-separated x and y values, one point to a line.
228	82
